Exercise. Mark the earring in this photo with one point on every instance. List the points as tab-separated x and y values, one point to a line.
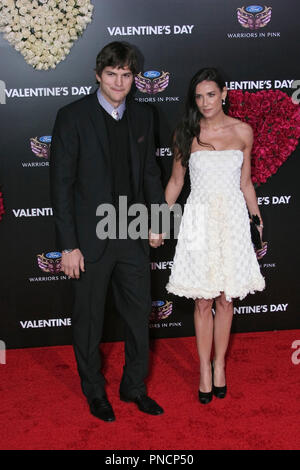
223	102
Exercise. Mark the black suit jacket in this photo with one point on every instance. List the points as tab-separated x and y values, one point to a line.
81	173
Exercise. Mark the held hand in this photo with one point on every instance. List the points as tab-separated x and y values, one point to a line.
156	239
72	263
260	230
264	245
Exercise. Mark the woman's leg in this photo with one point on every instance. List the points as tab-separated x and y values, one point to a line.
203	320
222	327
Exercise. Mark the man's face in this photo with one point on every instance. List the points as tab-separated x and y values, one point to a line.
115	84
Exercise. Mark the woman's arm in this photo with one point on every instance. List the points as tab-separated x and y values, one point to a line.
175	183
247	187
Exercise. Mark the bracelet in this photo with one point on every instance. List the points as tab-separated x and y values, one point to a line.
68	251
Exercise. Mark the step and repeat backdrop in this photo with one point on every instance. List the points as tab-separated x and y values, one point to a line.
48	60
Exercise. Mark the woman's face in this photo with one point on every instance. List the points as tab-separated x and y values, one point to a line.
209	98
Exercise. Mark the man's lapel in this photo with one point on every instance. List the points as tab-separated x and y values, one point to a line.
97	119
134	153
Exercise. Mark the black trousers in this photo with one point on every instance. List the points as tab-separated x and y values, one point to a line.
126	265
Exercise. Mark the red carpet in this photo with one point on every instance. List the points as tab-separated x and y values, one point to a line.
42	407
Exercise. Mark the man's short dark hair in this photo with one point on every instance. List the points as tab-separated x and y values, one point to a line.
117	54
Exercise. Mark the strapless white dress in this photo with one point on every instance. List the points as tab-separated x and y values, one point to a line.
214	251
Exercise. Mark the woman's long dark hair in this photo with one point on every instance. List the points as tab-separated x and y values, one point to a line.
189	127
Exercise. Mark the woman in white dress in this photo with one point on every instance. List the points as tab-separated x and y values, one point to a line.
214	259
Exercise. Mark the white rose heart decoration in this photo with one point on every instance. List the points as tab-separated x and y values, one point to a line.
44	30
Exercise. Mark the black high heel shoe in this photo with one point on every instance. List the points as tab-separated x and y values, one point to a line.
219	392
205	397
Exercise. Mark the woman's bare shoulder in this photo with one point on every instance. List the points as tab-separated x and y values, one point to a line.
246	132
243	130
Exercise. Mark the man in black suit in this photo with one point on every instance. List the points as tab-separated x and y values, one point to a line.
102	148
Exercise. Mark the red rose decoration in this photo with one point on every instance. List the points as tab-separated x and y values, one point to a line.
275	121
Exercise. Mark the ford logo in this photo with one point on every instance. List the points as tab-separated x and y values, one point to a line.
152	74
45	138
53	255
254	9
157	303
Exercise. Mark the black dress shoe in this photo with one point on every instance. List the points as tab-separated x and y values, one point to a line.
205	397
102	409
145	404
